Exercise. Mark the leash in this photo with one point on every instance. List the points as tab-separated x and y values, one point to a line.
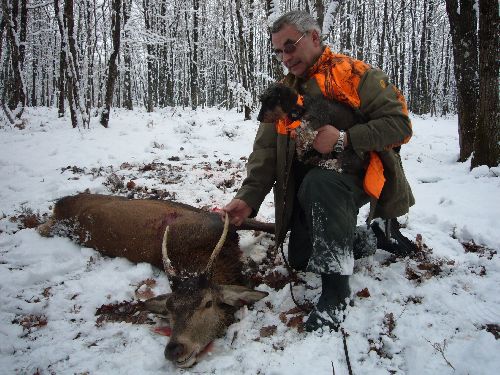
279	245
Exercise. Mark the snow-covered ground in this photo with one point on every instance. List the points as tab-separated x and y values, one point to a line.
438	315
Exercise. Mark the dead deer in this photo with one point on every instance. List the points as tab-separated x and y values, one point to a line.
207	286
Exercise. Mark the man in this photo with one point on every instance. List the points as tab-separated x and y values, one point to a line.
320	205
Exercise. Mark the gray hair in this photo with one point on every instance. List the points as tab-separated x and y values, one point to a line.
300	19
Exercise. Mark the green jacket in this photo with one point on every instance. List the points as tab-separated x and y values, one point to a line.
364	88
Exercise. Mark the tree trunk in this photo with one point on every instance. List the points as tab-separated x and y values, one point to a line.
65	80
446	81
61	82
65	21
194	57
162	57
112	67
487	141
72	61
360	32
392	48
2	30
464	38
346	29
381	45
274	65
243	59
127	59
34	77
251	60
22	32
422	90
320	12
402	49
413	93
149	48
90	49
19	89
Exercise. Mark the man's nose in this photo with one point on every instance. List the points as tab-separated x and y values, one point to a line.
287	57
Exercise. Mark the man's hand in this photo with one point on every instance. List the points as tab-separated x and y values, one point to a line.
237	210
326	138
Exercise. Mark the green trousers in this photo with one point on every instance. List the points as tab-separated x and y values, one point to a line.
323	228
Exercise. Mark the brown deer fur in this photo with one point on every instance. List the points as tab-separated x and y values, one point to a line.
133	228
204	297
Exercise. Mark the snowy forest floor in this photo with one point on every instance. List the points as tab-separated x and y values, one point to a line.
436	313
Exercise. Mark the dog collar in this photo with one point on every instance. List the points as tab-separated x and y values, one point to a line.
298	111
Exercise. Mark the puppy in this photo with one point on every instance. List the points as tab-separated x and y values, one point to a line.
280	101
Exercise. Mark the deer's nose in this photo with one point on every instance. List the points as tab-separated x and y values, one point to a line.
174	350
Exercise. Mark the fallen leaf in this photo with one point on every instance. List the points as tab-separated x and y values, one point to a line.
364	293
268	331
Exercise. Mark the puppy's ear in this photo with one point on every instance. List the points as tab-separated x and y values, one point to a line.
262	112
288	98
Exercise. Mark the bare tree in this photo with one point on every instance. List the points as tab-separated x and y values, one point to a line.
463	26
193	66
243	58
150	56
112	67
381	43
18	101
487	141
422	92
360	33
61	82
66	22
127	59
216	53
320	12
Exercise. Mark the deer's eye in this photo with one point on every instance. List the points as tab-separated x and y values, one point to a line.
169	305
208	304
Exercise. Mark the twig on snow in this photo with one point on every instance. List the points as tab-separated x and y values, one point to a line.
349	368
441	348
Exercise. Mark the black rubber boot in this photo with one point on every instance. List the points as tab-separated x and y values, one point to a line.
398	244
332	303
365	242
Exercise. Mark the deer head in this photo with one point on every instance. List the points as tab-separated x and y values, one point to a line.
198	309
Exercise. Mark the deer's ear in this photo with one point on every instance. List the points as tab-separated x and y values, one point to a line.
158	304
236	295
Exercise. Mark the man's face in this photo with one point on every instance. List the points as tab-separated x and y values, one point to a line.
307	51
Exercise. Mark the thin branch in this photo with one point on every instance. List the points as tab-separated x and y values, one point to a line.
441	348
346	352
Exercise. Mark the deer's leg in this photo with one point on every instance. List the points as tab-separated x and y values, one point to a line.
45	229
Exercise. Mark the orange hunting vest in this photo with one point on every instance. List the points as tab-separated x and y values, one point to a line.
338	78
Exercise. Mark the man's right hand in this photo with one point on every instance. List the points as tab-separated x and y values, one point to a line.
237	210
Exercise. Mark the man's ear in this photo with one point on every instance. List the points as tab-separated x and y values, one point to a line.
316	37
236	295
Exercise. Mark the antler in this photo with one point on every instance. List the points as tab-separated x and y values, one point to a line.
167	264
218	247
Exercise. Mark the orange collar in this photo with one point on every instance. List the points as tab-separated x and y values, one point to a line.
287	125
291	123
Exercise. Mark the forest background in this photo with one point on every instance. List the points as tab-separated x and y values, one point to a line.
90	55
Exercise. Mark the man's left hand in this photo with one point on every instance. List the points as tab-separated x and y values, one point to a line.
326	138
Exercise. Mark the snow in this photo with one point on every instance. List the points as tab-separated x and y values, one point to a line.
439	320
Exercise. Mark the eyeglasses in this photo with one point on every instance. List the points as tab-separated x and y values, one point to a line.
287	48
